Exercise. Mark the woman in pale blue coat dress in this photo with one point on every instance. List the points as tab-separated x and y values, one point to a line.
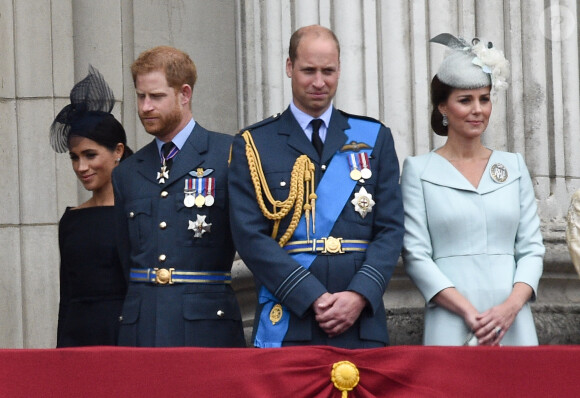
473	244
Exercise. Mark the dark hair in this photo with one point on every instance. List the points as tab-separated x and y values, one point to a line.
315	30
440	92
101	127
88	115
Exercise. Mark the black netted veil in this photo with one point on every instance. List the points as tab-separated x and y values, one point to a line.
88	115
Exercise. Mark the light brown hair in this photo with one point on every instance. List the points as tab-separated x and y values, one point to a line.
315	30
178	67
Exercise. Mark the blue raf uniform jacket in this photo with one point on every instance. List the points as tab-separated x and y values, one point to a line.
280	141
153	232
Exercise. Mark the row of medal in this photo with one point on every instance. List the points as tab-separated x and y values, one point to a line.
199	192
360	170
360	166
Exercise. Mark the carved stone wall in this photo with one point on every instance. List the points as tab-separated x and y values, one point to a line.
46	46
240	48
386	66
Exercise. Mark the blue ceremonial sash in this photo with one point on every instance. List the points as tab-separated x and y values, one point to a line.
332	192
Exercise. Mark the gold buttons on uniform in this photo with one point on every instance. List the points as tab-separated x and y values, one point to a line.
162	225
162	258
220	313
164	194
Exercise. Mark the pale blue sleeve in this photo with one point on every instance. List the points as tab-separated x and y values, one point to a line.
417	248
529	248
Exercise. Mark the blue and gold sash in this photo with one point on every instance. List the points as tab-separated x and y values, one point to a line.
332	192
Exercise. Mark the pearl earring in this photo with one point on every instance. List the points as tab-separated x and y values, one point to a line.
445	121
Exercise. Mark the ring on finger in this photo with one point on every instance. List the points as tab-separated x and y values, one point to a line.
497	331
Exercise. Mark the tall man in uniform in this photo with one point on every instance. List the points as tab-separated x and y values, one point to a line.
172	206
316	210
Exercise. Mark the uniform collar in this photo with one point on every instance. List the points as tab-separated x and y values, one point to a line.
304	118
180	138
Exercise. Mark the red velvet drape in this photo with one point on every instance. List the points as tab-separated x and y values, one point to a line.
411	371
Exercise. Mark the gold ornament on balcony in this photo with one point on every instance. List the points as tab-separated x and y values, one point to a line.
345	376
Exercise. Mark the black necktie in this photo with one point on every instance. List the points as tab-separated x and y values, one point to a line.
169	151
316	141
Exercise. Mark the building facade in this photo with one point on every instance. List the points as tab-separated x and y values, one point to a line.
240	47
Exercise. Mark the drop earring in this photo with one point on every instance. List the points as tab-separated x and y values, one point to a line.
445	121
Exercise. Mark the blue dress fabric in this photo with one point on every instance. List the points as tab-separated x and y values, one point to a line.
92	286
479	240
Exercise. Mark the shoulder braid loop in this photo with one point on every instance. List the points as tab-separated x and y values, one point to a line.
301	191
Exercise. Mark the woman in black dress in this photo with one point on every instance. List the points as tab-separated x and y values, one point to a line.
92	284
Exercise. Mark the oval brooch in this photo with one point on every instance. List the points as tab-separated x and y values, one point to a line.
498	173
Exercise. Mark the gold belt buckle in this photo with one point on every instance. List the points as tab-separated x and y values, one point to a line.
332	245
164	276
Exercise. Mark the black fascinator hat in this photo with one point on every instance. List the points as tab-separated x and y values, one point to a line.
89	115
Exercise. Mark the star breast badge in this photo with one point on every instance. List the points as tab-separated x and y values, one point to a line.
363	202
199	227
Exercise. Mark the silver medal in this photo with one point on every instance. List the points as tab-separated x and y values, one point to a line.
189	200
209	200
189	191
366	173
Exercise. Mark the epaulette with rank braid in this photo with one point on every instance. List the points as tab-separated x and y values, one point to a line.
262	122
370	119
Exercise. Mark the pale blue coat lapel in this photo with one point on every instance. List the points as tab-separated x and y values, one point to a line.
487	184
441	172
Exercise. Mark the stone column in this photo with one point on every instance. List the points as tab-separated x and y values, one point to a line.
35	70
386	67
46	47
240	49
